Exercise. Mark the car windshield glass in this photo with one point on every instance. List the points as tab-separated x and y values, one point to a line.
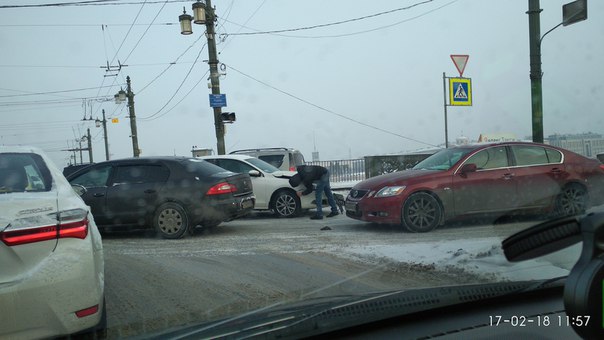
23	172
442	160
262	165
275	160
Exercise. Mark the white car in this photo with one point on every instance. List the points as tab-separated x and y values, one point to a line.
271	185
51	255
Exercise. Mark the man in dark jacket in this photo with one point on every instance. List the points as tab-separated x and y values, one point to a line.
309	174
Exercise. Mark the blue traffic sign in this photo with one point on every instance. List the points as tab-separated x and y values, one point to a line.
460	91
218	100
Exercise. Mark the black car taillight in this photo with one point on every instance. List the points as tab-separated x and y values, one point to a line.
222	188
71	223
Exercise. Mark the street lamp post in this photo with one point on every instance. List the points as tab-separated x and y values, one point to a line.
571	13
204	14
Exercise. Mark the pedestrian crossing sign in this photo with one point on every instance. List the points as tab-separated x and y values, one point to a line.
460	91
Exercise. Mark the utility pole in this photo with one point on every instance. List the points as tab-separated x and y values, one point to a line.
204	14
214	75
104	122
535	72
130	95
80	149
89	139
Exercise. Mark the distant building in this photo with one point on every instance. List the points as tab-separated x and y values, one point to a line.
496	137
198	152
586	144
462	140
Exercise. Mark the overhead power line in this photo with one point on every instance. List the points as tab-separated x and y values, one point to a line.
27	94
145	32
87	25
329	111
93	3
178	88
334	23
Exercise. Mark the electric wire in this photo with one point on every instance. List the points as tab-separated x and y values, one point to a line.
28	94
245	23
329	111
93	3
171	64
180	101
88	25
129	30
179	86
337	22
146	30
369	30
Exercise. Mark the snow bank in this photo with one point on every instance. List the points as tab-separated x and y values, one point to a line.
482	256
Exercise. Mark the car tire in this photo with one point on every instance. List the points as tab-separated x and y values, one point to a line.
571	201
171	221
421	213
286	204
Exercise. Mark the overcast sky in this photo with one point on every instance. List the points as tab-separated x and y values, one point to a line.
365	87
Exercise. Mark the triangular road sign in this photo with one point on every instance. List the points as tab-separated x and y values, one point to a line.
460	61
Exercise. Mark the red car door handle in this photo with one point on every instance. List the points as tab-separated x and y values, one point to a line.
556	171
507	176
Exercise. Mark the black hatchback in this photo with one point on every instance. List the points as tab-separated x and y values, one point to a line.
170	194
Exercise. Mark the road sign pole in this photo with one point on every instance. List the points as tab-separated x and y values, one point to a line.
445	105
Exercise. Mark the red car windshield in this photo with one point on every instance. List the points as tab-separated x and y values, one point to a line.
443	160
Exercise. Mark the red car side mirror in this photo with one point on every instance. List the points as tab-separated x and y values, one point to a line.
468	168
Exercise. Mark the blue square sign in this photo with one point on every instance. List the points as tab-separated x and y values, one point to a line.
218	100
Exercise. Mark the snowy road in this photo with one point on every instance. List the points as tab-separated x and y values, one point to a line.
154	284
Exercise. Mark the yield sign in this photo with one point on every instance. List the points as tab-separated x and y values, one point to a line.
460	61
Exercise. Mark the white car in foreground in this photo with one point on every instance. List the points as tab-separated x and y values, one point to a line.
51	255
271	185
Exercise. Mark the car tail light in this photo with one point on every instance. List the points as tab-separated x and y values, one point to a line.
602	166
222	188
292	168
29	235
71	223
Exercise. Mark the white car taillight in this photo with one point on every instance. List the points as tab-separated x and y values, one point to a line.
70	223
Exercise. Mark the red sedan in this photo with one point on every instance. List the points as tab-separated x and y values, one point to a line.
500	179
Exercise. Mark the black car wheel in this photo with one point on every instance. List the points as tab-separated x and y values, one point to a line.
421	212
171	220
571	201
286	204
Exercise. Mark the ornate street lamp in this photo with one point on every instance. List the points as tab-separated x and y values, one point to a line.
120	97
199	12
185	23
